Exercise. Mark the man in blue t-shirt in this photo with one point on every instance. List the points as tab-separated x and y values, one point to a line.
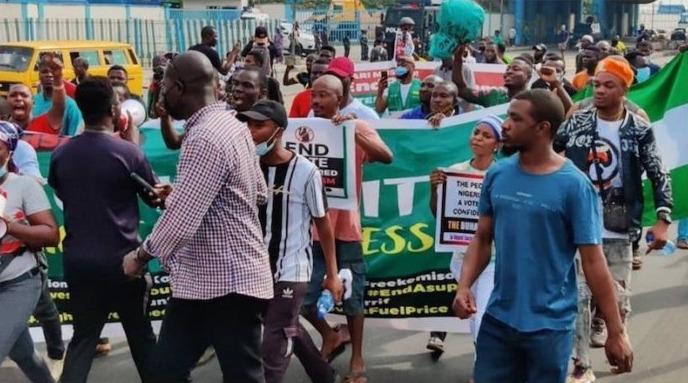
539	209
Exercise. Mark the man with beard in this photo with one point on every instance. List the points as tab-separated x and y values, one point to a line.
248	87
343	68
516	79
220	279
590	59
490	54
526	332
326	101
402	94
207	47
614	147
50	74
99	196
423	111
301	105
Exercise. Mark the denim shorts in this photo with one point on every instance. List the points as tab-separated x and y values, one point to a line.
349	256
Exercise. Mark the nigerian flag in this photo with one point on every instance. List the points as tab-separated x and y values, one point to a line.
665	99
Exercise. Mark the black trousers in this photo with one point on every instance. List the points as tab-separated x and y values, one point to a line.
91	305
231	324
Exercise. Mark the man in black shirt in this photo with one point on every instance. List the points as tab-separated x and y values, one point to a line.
101	216
207	47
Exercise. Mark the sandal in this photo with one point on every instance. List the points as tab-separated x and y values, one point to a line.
637	263
355	377
336	352
682	244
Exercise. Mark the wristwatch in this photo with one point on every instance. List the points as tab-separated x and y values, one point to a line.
139	256
664	216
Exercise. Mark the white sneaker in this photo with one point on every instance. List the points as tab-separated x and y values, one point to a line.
55	366
598	333
581	375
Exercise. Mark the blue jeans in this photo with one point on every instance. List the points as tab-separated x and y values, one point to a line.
505	354
17	301
683	229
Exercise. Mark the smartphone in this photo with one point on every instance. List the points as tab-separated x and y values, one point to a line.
143	183
383	74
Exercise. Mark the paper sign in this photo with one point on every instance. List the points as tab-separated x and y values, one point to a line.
457	213
332	149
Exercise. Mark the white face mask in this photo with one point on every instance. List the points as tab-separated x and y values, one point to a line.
264	148
560	77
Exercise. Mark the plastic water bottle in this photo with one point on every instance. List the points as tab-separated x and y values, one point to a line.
325	303
669	248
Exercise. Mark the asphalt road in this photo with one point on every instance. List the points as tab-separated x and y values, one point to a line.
657	328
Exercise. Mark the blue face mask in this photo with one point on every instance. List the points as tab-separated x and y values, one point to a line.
264	148
401	72
643	74
3	169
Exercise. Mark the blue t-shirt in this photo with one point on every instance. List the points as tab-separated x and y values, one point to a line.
414	114
538	221
72	120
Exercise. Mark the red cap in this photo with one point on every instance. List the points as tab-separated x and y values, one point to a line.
341	67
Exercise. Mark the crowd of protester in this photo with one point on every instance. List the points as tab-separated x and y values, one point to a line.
243	275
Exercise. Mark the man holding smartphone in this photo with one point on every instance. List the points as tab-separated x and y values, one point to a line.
99	196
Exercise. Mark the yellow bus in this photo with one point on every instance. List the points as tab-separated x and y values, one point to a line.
19	61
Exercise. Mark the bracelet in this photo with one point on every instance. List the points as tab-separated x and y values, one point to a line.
61	87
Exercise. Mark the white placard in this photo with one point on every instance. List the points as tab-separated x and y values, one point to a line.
457	211
331	148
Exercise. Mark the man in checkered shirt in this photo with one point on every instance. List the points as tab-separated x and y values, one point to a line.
209	238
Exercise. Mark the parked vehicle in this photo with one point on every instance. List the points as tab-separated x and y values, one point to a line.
678	37
19	61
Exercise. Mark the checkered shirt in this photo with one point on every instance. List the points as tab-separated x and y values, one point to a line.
209	238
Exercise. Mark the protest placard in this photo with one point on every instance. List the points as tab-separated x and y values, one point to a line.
457	213
333	150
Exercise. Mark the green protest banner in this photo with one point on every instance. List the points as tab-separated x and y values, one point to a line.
409	284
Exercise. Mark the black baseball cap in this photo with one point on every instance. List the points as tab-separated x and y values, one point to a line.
266	110
261	32
540	47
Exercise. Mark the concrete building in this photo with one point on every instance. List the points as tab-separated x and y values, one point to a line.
538	21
